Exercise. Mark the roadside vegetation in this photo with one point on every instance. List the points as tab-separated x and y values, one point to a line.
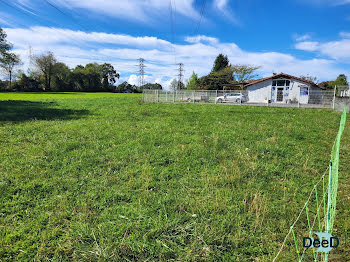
105	177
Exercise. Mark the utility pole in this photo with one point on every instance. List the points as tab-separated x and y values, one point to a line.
180	75
141	72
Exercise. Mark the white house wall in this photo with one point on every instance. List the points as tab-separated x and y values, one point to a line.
294	91
260	92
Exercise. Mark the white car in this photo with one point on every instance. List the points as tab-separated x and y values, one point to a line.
232	97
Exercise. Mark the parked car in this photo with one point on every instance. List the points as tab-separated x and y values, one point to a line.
232	97
198	99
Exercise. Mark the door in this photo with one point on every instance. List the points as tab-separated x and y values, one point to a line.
280	91
235	97
229	97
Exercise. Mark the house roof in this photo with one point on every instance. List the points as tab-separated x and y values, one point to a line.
323	84
280	75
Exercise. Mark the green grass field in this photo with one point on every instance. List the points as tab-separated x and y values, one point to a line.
105	177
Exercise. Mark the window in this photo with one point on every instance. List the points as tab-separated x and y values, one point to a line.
304	91
281	82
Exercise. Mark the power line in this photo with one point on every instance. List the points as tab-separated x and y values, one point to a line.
200	17
172	28
40	19
64	13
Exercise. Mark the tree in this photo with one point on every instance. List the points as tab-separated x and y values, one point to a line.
125	87
220	63
92	77
341	80
27	83
173	85
243	72
8	62
45	64
77	78
109	76
2	85
193	82
4	45
176	85
61	77
310	78
154	86
217	80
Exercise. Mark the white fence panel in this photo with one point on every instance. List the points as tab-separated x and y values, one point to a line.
315	98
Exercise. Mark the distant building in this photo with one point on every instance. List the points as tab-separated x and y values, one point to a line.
279	88
345	92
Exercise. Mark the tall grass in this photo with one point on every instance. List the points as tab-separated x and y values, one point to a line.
103	177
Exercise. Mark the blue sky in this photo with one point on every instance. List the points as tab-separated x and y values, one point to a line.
298	37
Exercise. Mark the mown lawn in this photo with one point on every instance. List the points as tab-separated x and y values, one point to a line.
104	177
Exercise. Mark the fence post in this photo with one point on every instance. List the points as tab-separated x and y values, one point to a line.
335	89
299	97
193	96
240	100
216	95
174	96
157	96
166	96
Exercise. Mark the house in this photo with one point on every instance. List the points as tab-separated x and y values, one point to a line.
282	88
345	92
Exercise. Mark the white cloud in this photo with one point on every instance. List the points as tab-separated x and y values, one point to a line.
345	34
196	56
338	50
307	46
221	4
326	2
223	7
133	80
140	10
47	35
304	37
200	38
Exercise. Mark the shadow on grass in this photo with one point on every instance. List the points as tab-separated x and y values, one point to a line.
17	111
41	93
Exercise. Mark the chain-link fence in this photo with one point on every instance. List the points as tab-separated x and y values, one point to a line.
314	98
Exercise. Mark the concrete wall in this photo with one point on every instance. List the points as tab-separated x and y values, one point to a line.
340	102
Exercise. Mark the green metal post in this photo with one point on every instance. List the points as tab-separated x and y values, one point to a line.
296	245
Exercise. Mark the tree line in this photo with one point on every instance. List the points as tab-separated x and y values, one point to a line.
48	74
